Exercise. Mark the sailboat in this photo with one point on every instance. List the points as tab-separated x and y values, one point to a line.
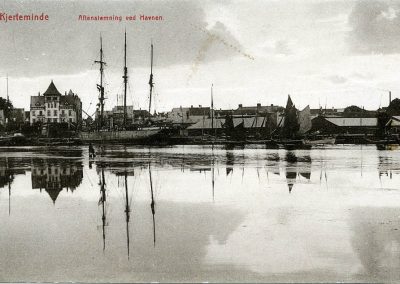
139	134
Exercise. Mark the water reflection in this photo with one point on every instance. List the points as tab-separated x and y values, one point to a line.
54	175
376	240
250	228
296	167
152	206
230	160
102	203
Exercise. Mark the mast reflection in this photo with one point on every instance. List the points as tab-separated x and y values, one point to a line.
152	206
102	202
127	206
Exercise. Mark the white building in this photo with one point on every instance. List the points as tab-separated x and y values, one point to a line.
52	107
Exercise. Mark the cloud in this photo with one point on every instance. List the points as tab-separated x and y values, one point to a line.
65	45
336	79
282	47
375	28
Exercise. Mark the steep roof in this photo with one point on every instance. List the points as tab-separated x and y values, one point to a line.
52	90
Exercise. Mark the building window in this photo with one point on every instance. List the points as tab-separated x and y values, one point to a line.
70	119
54	119
40	113
69	112
49	120
33	113
33	120
55	112
62	112
48	113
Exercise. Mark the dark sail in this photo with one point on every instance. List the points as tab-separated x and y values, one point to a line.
291	124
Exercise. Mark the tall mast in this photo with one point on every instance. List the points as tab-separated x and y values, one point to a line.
151	83
8	99
100	87
125	81
212	108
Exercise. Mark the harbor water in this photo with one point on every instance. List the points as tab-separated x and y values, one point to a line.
200	213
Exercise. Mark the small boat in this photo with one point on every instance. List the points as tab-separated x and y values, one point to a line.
324	141
13	139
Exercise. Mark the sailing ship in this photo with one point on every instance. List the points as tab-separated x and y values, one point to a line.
143	133
294	127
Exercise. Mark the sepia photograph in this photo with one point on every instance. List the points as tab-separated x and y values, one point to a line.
188	141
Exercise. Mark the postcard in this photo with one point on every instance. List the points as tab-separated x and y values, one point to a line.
199	141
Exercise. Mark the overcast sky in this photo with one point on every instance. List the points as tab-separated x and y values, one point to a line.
333	53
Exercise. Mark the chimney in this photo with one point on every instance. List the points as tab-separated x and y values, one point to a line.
191	106
272	105
390	97
39	94
240	105
65	93
258	105
199	105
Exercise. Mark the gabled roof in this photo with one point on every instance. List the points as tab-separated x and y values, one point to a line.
37	101
52	90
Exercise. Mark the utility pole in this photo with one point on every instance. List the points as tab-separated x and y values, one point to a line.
100	87
125	77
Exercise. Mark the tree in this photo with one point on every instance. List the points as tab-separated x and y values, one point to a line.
394	107
6	106
353	108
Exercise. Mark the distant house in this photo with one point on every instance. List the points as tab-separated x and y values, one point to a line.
187	115
255	110
343	125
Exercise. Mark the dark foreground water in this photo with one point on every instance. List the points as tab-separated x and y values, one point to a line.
193	213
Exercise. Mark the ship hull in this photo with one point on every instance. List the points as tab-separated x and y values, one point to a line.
142	136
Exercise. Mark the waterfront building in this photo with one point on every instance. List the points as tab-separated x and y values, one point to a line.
188	115
53	107
344	125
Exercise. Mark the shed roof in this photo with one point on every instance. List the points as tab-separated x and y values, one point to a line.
353	121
